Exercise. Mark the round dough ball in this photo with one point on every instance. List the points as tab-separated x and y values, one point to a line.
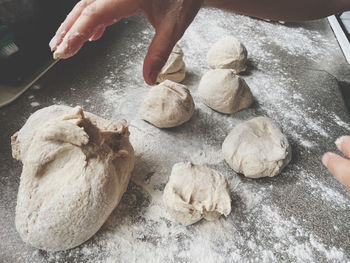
195	192
167	105
224	91
76	167
175	68
257	148
228	53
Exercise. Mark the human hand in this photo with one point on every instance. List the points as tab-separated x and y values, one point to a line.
337	165
89	18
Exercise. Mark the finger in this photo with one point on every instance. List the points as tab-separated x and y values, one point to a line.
100	13
98	34
339	167
169	29
343	144
68	22
158	53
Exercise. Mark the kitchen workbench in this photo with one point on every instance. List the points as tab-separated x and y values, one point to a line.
301	215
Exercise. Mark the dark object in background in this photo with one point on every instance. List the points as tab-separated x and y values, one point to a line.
340	24
33	23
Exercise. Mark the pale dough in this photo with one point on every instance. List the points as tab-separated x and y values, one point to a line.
195	192
228	52
224	91
167	105
76	167
175	68
257	148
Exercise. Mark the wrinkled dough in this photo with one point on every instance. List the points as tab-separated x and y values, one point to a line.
175	68
167	105
224	91
228	53
76	167
257	148
195	192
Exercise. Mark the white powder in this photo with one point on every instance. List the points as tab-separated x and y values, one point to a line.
35	104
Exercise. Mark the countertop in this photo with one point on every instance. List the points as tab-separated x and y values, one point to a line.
301	215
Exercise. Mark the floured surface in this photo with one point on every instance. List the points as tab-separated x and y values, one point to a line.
300	215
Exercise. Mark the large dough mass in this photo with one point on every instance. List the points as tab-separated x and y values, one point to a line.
228	53
166	105
257	148
76	167
195	192
224	91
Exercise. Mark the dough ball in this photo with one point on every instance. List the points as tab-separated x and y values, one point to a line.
224	91
76	167
167	105
195	192
228	53
175	68
257	148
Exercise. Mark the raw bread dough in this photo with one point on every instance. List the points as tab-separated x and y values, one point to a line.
224	91
75	171
257	148
195	192
167	105
175	68
228	53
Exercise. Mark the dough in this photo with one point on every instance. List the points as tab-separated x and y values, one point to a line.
167	105
195	192
175	68
224	91
257	148
75	171
228	53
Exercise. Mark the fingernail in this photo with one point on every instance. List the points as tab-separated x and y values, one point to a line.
53	43
56	55
339	142
325	159
153	76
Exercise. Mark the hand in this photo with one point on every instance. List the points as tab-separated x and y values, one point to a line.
89	18
339	166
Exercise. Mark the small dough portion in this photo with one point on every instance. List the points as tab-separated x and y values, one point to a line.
166	105
175	68
228	53
195	192
257	148
76	167
224	91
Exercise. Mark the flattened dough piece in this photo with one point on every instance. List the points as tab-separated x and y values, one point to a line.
166	105
195	192
229	53
224	91
175	68
257	148
76	167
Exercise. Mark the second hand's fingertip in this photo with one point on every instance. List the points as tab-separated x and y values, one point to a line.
325	158
339	142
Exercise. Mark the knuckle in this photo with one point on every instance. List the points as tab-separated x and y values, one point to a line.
89	11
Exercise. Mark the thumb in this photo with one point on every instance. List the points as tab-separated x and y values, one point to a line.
158	52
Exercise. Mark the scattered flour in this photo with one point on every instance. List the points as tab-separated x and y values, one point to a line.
35	104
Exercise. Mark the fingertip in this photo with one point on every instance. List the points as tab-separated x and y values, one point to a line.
339	142
151	70
325	158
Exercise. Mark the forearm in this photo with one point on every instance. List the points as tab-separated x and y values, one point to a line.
285	10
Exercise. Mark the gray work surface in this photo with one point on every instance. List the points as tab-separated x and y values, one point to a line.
301	215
